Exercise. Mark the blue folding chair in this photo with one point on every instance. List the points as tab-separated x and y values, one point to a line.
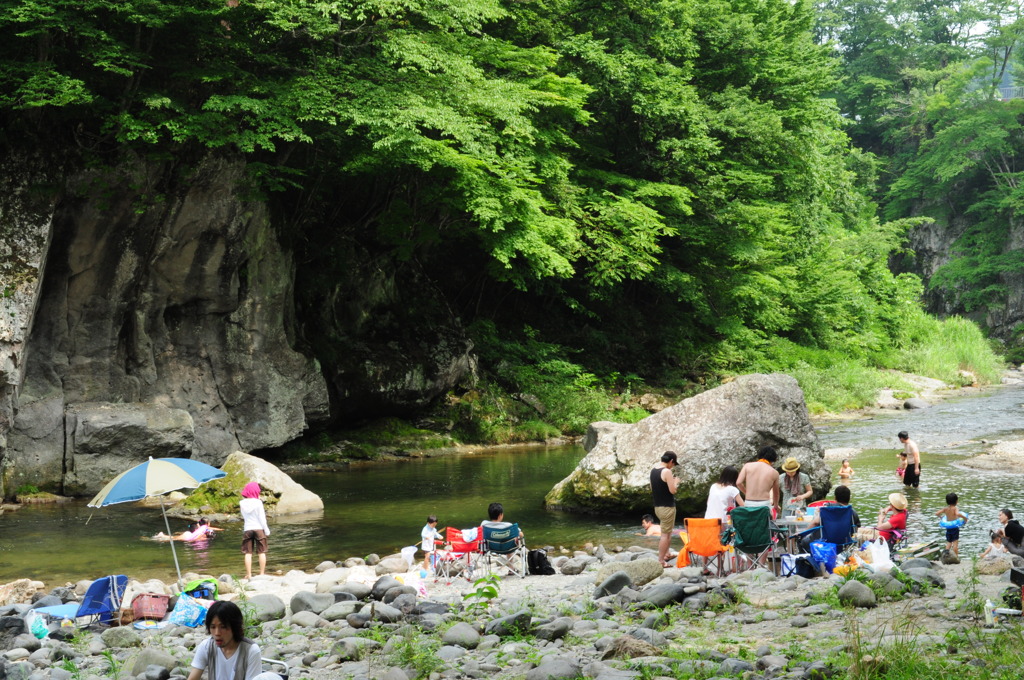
502	547
101	602
836	527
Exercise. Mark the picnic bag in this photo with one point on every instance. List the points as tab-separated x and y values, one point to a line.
187	612
537	563
823	552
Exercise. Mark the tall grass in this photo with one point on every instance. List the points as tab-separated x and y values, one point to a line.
942	348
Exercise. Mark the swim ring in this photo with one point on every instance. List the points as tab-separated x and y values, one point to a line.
952	523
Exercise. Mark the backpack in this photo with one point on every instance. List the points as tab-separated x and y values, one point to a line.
537	563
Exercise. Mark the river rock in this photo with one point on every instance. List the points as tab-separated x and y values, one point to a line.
916	563
723	426
915	403
383	585
391	565
857	594
613	584
121	637
515	624
640	572
305	601
306	619
353	648
554	668
463	635
360	591
10	628
663	594
556	630
994	565
267	607
281	494
152	656
927	576
331	578
20	590
340	610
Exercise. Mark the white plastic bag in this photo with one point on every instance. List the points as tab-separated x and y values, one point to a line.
36	625
880	558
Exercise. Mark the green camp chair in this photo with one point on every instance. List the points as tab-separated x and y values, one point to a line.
754	536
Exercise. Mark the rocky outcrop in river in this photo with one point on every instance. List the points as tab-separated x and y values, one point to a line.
724	426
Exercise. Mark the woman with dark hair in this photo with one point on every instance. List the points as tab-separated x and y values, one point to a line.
1012	533
723	495
220	654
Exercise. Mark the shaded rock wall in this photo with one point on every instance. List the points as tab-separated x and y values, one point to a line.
162	287
720	427
931	247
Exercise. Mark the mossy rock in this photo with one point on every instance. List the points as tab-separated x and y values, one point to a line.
222	495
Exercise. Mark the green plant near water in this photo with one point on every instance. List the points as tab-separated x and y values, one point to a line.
418	652
26	490
971	600
114	666
71	667
484	590
250	615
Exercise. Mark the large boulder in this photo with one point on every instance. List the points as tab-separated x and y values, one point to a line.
106	439
723	426
281	494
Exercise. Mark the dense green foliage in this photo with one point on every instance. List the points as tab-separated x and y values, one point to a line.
655	189
925	87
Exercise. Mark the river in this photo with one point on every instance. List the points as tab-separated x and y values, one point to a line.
381	507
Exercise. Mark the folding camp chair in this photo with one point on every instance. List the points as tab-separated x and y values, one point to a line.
836	527
502	547
754	535
705	540
101	602
461	556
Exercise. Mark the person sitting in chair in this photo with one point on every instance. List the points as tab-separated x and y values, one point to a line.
496	519
842	496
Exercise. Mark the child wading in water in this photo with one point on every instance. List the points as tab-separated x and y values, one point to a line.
901	468
951	521
845	471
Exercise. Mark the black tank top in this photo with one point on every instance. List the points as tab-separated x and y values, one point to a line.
663	498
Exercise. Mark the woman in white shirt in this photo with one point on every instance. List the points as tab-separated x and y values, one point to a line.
254	518
724	496
220	654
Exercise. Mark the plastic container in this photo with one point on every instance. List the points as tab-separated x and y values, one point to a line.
150	606
989	609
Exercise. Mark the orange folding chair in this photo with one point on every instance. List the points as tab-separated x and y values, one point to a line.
705	540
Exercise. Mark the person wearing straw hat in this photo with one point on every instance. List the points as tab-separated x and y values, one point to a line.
795	486
892	517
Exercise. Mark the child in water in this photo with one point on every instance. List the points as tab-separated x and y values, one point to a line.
845	470
901	468
952	520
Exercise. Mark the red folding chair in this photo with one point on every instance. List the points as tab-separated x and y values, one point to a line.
460	555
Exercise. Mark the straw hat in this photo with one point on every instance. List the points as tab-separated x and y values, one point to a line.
898	501
791	464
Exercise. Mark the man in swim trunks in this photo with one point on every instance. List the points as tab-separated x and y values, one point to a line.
759	481
663	488
912	475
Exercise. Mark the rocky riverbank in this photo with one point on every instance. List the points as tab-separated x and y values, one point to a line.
605	615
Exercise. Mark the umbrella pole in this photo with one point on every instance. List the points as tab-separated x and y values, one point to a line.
170	536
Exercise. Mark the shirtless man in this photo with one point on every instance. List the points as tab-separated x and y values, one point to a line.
759	481
912	475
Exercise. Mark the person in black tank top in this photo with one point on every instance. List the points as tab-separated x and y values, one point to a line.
663	489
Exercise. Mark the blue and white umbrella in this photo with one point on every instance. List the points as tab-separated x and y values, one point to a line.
156	477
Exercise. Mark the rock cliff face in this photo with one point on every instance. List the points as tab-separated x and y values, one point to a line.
157	311
720	427
932	247
161	288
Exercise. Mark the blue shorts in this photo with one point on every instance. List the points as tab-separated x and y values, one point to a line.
952	534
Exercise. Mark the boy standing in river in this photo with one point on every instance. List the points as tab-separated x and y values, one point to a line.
952	520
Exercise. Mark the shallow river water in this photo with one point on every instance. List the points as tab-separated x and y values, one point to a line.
381	508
